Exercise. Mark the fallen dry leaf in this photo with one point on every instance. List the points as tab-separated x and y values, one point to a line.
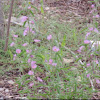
68	60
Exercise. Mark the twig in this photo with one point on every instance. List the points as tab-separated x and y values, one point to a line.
7	37
81	64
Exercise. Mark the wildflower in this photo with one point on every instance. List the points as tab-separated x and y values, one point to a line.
33	62
95	30
31	84
46	60
80	48
88	64
50	61
36	40
92	6
27	29
91	29
93	16
91	11
87	35
25	44
97	81
18	51
97	16
33	66
29	60
35	49
15	36
33	32
24	33
14	56
28	51
29	7
24	18
32	22
56	49
54	64
12	44
88	75
39	79
96	61
49	37
31	56
86	41
30	72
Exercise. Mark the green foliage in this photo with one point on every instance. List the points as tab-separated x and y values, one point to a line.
66	80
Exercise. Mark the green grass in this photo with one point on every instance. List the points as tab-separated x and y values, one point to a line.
64	81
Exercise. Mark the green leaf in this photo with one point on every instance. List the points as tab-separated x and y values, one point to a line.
42	11
24	23
41	56
10	53
35	8
20	13
24	91
64	41
32	13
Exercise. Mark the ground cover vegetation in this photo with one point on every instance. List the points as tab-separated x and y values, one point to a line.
49	57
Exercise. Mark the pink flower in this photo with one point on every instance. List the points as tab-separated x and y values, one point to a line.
14	57
46	60
54	64
28	51
24	33
29	7
18	51
29	60
91	11
32	22
80	48
56	49
88	64
33	66
30	72
86	41
96	61
93	16
87	35
49	37
24	18
31	56
91	29
95	30
33	62
92	6
97	16
36	40
97	81
50	61
88	75
39	79
15	36
25	44
33	32
31	84
12	44
27	29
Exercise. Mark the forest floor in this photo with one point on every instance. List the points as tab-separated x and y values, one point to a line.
73	12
